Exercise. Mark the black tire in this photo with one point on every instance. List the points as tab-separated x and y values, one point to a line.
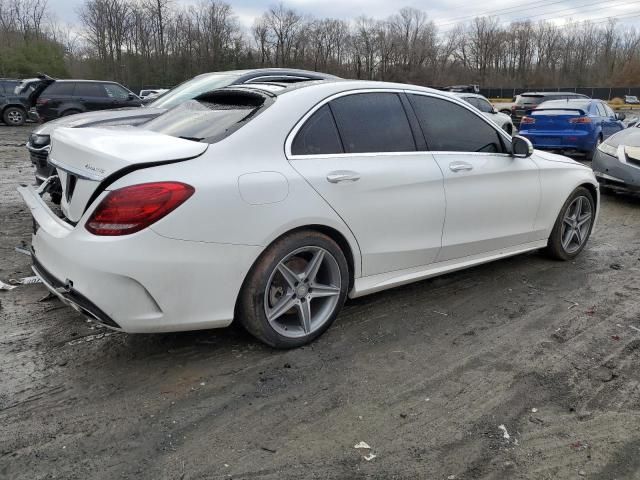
590	155
251	307
506	111
555	247
14	116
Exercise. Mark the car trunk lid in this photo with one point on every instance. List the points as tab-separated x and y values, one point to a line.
88	158
557	119
33	87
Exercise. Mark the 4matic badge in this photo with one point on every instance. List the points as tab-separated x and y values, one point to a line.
88	166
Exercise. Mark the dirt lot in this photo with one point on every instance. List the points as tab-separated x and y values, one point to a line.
522	369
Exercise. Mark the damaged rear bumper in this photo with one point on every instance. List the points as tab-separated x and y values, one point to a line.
138	283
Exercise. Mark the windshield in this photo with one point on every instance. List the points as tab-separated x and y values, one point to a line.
191	89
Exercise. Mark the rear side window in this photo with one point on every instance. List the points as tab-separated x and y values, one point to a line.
90	90
318	135
59	88
449	127
372	123
610	112
601	111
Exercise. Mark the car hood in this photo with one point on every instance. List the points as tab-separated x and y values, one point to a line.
123	116
628	137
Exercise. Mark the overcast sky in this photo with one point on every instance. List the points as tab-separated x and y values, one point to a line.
443	12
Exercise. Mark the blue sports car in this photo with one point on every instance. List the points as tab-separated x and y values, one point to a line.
571	125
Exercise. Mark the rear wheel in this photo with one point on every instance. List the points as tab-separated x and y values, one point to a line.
14	116
573	226
295	290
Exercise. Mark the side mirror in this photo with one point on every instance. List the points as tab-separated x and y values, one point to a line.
521	147
620	116
133	96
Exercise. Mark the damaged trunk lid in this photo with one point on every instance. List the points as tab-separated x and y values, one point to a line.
88	159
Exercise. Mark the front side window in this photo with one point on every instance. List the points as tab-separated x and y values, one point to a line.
484	106
318	136
449	127
600	110
116	91
373	123
610	112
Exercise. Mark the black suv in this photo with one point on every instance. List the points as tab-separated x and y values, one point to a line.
530	100
13	108
59	98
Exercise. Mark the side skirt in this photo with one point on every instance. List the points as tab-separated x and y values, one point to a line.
376	283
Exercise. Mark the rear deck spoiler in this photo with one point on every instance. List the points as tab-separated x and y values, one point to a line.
579	110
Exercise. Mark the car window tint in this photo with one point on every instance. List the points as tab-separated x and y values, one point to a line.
373	122
116	91
59	88
449	127
318	135
610	112
90	90
601	111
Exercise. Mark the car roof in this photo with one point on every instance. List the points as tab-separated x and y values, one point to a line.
69	80
550	94
244	75
469	94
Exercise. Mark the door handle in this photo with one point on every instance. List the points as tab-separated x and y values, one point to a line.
343	176
460	166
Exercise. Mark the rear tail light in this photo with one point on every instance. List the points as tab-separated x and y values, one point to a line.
131	209
580	120
527	121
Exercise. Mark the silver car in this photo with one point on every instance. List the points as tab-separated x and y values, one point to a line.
616	162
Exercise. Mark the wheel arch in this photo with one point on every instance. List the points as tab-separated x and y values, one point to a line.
16	105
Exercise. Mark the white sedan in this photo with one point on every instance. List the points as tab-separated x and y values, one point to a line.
271	205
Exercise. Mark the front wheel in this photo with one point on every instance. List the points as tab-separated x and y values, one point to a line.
295	290
573	226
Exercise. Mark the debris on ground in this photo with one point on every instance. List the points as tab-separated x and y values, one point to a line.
534	410
362	445
26	280
615	337
4	286
615	266
634	328
505	434
23	250
90	338
591	311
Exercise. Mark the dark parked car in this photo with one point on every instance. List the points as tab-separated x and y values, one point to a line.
530	100
13	108
617	160
38	144
60	98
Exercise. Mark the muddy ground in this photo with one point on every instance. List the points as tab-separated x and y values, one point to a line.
426	375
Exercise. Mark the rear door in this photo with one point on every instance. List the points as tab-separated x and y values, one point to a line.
614	125
492	197
360	152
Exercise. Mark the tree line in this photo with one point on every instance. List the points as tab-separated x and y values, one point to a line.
159	42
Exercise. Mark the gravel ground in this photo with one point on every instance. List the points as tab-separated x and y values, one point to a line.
526	368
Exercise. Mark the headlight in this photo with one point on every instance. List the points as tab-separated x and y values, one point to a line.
608	149
39	140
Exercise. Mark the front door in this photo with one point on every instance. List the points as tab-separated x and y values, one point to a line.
492	197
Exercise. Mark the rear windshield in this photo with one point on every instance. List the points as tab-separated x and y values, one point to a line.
529	99
209	118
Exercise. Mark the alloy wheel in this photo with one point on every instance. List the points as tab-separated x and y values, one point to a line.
302	292
576	224
14	117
